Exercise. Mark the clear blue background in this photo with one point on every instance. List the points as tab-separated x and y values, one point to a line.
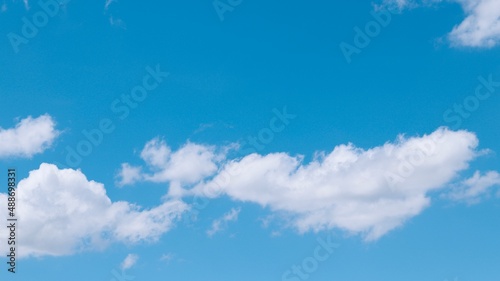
231	74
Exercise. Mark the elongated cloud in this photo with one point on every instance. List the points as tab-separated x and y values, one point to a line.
29	137
61	212
368	192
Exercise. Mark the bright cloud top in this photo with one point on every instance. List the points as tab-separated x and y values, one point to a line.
367	192
61	212
480	28
29	137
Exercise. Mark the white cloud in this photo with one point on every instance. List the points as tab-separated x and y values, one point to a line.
61	212
29	137
480	28
128	175
167	257
129	261
189	164
348	188
221	223
474	188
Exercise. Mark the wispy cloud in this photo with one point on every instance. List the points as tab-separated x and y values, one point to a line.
167	257
473	189
116	22
129	261
108	3
221	223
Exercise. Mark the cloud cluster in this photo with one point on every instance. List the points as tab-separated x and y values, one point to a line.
480	28
62	212
30	136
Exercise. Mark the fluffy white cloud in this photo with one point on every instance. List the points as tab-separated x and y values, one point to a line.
61	212
189	164
128	175
129	261
29	137
474	188
480	28
367	192
221	223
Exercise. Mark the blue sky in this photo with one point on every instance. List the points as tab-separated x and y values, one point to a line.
235	140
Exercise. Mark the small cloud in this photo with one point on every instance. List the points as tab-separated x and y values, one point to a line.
4	7
266	221
220	224
275	234
129	261
203	127
117	22
473	189
167	257
128	175
108	3
30	136
187	165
